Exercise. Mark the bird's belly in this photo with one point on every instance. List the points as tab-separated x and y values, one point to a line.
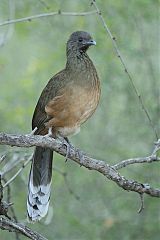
68	131
84	104
72	109
79	112
87	109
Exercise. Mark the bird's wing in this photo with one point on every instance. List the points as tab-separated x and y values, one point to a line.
51	90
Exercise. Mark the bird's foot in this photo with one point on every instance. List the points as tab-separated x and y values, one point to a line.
68	145
80	157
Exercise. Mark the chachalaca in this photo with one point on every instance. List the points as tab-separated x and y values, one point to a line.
67	101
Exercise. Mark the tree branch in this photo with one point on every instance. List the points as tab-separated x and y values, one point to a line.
51	14
130	161
6	224
17	173
92	164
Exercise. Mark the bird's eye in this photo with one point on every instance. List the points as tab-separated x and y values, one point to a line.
80	40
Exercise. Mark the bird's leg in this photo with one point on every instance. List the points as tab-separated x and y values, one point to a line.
49	134
49	127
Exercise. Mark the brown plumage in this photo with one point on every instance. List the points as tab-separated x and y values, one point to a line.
67	101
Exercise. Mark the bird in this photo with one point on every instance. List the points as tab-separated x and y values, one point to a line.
68	100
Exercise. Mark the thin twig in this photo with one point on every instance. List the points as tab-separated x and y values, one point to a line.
9	201
4	206
64	175
10	165
142	203
8	32
17	173
130	161
2	158
33	131
11	207
44	4
119	55
42	15
157	147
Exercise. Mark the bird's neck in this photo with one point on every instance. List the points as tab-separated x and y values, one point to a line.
77	61
81	70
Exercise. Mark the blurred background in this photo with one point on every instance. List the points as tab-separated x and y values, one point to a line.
86	205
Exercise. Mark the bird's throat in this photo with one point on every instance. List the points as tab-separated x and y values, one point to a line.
77	61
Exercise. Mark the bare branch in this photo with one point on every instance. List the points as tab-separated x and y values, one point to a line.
17	173
11	207
43	15
2	158
157	147
64	175
11	164
3	205
86	161
9	31
44	4
130	161
6	224
119	55
142	203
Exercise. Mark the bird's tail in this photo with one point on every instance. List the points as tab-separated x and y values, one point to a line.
39	185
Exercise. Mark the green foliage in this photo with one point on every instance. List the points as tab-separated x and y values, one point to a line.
31	54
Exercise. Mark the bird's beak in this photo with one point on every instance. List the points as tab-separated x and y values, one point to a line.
91	42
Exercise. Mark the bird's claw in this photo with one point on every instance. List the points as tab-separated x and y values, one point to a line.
80	157
68	145
80	154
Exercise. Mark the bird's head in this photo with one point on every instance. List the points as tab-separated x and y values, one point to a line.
80	41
